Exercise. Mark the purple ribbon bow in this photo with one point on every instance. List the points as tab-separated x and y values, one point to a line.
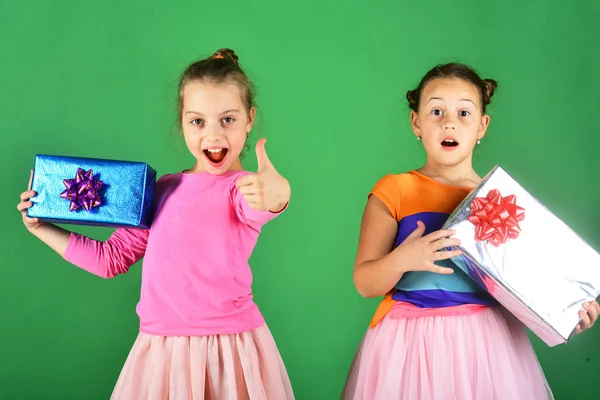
83	191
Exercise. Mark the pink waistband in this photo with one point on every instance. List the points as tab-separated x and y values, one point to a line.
401	310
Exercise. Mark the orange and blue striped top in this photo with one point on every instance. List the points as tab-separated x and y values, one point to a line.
411	197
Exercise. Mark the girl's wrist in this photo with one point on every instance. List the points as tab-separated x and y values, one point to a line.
398	261
34	230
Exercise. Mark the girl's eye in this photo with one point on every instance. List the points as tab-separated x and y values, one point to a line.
464	113
437	112
196	121
228	120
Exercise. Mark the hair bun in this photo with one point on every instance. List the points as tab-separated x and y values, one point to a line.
413	100
490	88
226	54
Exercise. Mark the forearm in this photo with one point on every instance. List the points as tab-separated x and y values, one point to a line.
106	259
375	278
55	237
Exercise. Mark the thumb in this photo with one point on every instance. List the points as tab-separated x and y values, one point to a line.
417	233
261	155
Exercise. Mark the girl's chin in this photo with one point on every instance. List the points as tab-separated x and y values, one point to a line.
450	159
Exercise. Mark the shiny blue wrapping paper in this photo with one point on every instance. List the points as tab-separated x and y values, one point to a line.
126	194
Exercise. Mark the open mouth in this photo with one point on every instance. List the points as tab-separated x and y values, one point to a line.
215	156
449	143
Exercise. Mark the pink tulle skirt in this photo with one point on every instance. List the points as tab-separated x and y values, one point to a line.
220	367
483	355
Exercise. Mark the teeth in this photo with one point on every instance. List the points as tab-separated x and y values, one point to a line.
214	150
449	141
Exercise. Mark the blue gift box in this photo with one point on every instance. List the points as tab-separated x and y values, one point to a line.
89	191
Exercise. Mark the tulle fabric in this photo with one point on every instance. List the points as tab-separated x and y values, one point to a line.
245	366
480	354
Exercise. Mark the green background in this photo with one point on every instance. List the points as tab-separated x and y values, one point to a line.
98	79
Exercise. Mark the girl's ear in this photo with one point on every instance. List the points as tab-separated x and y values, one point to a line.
485	122
251	116
415	124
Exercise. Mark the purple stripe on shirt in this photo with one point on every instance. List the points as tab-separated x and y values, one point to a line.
442	298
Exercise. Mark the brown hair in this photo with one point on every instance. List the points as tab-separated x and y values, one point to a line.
486	87
221	67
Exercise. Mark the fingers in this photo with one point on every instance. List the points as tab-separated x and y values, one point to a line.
31	221
255	202
417	233
246	180
248	190
445	255
249	185
251	198
589	315
252	189
27	195
261	155
437	235
585	323
444	243
24	205
440	270
594	311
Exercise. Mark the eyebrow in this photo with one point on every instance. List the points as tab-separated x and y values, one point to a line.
234	110
439	98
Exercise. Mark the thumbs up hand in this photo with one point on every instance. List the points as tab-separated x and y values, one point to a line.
265	189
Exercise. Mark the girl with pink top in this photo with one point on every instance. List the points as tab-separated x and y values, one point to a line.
201	334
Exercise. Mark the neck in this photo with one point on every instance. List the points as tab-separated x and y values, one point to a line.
461	174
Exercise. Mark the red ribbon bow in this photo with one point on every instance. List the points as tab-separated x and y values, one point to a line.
496	218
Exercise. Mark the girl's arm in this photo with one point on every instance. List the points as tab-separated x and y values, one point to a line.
55	237
107	259
377	268
110	258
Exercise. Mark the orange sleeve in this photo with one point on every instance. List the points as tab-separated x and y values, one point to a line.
387	190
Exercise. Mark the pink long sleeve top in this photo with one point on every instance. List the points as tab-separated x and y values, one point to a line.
196	279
